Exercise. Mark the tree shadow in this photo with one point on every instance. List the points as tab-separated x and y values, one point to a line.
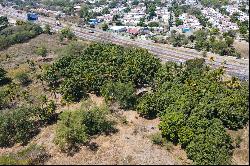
93	146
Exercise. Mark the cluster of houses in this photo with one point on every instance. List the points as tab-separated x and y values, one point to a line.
134	30
134	16
218	20
190	23
130	15
231	10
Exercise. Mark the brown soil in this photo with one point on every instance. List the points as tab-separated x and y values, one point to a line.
19	53
130	145
241	154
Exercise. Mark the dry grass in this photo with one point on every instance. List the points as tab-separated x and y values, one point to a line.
130	145
242	47
241	154
19	54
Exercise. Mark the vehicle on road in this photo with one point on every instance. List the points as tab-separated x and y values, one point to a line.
91	31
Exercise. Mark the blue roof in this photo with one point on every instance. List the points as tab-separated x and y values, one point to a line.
32	16
93	23
185	30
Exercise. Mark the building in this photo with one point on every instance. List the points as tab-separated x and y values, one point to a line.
93	21
118	29
32	16
134	30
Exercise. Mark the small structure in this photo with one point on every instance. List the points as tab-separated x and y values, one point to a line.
134	30
118	29
93	21
185	29
32	16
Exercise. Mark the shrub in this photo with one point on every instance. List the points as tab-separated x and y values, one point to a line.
157	139
17	126
3	78
41	51
31	155
238	141
3	101
12	160
47	113
75	127
71	130
123	93
211	147
47	29
18	34
96	120
21	124
23	78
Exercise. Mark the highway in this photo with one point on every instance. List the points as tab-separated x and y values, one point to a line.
233	66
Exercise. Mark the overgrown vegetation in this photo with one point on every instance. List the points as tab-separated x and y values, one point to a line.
21	124
123	93
31	155
41	51
3	78
75	127
195	104
87	71
195	107
17	34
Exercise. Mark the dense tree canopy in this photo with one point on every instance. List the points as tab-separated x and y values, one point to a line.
18	34
195	107
76	75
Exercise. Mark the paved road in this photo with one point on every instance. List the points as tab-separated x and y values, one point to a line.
236	67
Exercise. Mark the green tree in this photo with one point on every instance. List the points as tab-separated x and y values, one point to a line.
178	22
123	93
70	130
67	33
3	78
170	125
229	41
75	127
105	10
135	2
105	27
3	22
153	24
211	147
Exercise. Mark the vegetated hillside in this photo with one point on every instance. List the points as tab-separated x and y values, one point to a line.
48	114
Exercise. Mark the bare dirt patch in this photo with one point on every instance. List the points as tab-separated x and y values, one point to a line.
241	153
20	53
130	145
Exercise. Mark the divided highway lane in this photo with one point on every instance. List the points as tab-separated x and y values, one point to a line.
237	67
